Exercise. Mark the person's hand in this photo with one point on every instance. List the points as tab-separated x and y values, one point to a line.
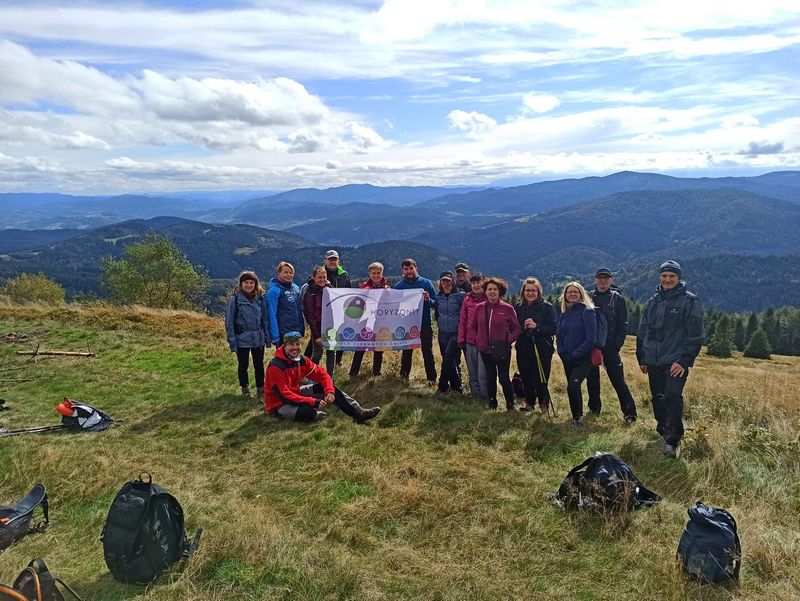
425	295
643	368
328	400
318	341
677	370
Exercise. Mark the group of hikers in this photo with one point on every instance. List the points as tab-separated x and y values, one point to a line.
587	329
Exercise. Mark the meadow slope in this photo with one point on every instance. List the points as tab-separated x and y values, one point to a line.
437	499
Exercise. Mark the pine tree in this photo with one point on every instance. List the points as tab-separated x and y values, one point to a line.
752	326
739	338
721	344
758	347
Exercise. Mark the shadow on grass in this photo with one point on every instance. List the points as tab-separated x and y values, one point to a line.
551	438
262	425
226	406
669	478
106	588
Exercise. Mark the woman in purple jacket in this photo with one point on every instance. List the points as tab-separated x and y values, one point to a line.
495	329
576	333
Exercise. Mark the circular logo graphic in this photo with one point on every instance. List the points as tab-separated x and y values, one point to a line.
355	307
367	334
348	334
400	333
413	332
384	334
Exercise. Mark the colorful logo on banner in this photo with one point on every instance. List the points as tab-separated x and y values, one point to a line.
370	320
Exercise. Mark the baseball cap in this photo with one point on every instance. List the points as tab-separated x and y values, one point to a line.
331	254
603	272
446	275
462	267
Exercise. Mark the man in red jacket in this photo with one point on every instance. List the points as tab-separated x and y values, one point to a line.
284	396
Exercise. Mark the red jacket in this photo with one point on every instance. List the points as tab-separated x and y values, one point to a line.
283	379
467	316
503	324
368	284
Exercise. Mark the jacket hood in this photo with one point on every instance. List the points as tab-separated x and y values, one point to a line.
275	281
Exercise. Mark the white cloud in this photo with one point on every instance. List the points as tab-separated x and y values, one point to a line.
473	122
360	139
28	164
540	103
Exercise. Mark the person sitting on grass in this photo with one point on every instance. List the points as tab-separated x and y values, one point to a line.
285	397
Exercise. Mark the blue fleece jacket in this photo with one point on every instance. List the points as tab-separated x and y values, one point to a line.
284	309
426	285
576	331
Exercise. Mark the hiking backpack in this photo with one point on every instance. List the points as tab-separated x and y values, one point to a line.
82	416
15	520
604	482
709	548
144	532
35	583
606	321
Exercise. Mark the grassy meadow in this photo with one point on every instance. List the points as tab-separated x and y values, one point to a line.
436	499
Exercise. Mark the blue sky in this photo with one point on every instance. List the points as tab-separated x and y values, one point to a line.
104	97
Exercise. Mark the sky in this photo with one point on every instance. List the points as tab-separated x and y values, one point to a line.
116	97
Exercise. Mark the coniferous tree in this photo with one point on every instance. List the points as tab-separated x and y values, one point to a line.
758	347
752	326
721	342
739	334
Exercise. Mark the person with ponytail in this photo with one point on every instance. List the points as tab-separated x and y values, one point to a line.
247	329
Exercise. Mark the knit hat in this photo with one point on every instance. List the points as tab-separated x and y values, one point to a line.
671	266
248	275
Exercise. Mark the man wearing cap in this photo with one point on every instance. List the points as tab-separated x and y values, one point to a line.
338	278
609	302
448	310
462	278
668	341
285	397
410	280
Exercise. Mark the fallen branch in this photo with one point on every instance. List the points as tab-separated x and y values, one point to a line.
59	353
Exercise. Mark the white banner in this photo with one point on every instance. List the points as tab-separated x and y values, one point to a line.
362	319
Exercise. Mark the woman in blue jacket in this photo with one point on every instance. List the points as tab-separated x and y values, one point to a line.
576	333
284	309
247	330
448	310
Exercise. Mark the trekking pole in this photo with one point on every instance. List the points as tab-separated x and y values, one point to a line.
34	430
543	380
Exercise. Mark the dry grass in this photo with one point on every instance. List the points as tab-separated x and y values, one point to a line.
439	499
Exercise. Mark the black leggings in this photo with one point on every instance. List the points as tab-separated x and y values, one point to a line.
498	370
576	371
243	356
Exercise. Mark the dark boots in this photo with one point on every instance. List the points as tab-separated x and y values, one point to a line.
366	414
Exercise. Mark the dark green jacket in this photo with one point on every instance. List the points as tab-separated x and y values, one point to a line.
671	328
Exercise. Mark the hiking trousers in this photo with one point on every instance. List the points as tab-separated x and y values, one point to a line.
616	375
450	378
426	336
304	412
477	372
667	394
532	384
316	355
576	371
498	370
358	357
243	357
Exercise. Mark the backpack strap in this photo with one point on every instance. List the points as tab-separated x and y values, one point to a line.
42	526
67	587
6	592
579	467
192	547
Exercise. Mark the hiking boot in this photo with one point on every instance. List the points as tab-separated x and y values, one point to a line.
577	423
526	407
321	414
245	391
670	450
366	415
629	419
492	404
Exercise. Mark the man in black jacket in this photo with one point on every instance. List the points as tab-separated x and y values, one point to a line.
610	303
668	341
462	278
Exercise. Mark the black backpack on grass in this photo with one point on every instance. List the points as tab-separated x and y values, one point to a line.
35	583
604	482
709	549
144	533
15	520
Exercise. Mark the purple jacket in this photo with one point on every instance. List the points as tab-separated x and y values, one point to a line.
503	324
576	331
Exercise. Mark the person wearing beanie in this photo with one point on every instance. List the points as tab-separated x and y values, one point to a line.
668	340
247	329
447	312
285	397
611	306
